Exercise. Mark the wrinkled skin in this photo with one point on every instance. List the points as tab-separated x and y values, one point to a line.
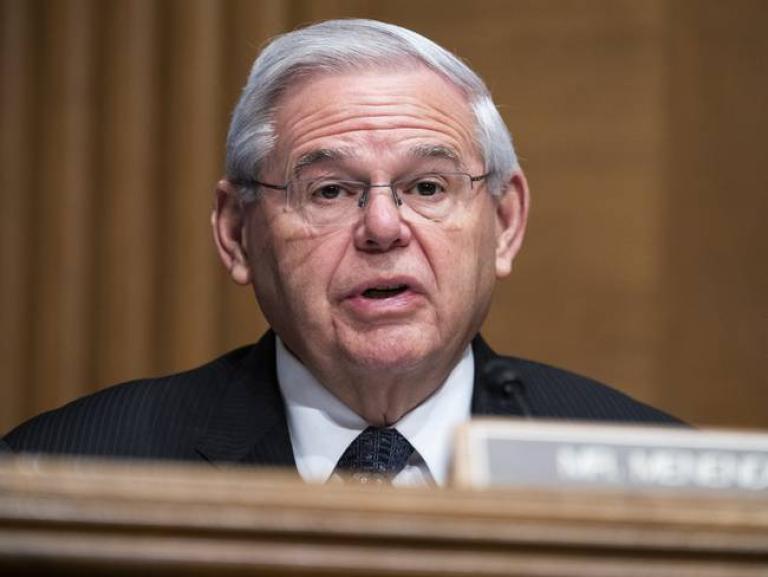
381	356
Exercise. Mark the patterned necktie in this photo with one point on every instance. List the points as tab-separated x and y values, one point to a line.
376	455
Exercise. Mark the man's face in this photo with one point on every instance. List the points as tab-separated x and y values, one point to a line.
392	289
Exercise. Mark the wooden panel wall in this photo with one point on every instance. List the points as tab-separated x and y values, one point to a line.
640	125
715	336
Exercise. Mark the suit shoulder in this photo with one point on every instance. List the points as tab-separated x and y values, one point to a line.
156	417
558	393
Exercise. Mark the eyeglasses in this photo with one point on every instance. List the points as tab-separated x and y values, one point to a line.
328	201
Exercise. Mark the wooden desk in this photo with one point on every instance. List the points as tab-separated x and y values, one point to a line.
116	518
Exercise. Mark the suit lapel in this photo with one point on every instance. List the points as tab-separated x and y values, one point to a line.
249	425
488	399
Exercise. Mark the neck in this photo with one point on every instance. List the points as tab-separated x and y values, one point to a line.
382	396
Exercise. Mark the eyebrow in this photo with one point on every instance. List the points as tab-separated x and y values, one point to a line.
436	151
421	151
319	156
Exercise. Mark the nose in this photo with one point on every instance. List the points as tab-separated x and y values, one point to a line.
381	227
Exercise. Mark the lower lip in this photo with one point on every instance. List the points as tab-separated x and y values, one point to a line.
401	304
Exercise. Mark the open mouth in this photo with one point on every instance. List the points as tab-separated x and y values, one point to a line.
384	292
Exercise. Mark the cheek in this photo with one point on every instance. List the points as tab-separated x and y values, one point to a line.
296	269
263	261
464	258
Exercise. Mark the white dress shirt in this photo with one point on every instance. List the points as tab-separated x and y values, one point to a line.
322	427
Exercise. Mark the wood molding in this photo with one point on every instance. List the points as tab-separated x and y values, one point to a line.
65	517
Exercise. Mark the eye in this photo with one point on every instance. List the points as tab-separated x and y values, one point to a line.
329	191
426	186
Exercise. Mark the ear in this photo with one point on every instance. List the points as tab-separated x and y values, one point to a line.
511	218
227	220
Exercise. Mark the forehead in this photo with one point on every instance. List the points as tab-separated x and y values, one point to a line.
379	114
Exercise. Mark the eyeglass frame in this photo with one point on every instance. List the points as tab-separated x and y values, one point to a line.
363	200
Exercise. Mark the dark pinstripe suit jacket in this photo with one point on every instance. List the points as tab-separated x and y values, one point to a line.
231	410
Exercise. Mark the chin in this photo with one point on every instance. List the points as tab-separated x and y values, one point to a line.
390	348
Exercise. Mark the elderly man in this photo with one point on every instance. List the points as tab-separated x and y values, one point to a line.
372	198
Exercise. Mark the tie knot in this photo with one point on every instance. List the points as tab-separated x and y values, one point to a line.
377	453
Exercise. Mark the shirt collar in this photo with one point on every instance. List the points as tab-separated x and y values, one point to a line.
322	427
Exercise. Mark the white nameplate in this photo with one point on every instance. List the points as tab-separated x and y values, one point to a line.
540	454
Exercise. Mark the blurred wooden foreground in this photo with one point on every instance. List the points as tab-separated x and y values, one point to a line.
65	517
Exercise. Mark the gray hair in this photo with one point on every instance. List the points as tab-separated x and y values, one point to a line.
343	46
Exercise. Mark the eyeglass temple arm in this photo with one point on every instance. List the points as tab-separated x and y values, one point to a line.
267	185
479	177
